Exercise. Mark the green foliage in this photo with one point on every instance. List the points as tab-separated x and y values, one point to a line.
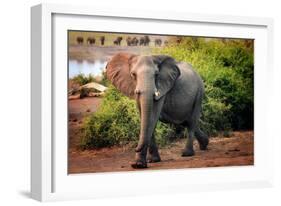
104	81
116	122
82	79
227	69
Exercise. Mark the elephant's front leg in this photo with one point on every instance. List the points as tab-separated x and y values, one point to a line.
141	158
149	116
153	154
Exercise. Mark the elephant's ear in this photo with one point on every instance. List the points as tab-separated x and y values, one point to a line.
168	74
118	73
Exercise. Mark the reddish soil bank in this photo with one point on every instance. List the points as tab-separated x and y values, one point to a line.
238	149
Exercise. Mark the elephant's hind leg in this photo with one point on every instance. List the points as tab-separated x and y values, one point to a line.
153	154
188	150
202	138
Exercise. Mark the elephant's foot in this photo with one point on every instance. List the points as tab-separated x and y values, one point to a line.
140	161
153	154
153	158
203	143
202	139
187	153
139	164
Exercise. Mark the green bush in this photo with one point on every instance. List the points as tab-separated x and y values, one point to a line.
116	122
82	79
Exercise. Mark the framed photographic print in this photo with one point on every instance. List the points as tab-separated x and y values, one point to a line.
135	102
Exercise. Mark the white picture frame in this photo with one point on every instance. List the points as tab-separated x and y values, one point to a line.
49	178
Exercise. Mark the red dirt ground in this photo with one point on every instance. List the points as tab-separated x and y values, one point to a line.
238	149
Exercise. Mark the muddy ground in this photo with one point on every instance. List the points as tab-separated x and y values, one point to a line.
238	149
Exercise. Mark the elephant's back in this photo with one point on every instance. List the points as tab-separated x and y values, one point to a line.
189	74
190	81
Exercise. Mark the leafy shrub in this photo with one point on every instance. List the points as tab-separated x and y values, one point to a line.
82	79
116	122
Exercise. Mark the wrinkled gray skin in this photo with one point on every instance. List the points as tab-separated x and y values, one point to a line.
164	90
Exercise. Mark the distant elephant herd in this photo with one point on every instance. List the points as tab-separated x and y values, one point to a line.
90	40
131	41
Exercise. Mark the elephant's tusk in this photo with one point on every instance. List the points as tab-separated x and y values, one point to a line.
157	93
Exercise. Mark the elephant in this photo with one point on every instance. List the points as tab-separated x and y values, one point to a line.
141	41
129	41
91	40
164	90
118	40
132	41
80	40
144	40
157	42
102	39
135	41
179	40
166	42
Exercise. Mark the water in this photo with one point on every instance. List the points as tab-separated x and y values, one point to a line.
85	67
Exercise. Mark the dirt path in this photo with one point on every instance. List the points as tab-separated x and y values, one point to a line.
78	110
238	149
232	151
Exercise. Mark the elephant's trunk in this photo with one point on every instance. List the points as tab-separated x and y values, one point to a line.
147	119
